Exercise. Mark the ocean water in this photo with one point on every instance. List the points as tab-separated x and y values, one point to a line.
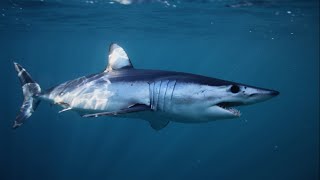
266	43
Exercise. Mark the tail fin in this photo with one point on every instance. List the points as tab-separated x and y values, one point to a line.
30	90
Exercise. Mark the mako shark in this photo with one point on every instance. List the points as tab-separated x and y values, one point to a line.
152	95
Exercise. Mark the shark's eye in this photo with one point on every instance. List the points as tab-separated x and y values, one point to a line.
234	89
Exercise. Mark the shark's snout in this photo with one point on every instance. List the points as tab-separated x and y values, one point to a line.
274	93
270	93
256	95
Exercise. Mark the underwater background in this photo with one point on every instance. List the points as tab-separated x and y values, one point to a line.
265	43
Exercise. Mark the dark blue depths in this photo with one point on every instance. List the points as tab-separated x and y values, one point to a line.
271	44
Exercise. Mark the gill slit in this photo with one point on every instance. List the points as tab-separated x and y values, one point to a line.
164	97
158	99
174	86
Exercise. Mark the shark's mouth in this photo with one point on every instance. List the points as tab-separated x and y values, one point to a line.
229	106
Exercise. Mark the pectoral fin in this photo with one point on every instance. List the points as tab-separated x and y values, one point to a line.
130	109
65	109
158	124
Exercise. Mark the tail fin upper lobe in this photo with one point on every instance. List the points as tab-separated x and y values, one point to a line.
30	90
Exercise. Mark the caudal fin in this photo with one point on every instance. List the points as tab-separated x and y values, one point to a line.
30	90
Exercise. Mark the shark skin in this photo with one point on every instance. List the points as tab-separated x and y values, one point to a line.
152	95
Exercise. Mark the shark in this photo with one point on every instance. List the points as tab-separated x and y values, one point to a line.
155	96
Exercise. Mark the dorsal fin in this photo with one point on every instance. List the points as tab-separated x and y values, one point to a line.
117	58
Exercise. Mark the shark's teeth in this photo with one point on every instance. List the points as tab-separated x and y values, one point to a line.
234	111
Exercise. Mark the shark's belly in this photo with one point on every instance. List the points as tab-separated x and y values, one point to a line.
104	97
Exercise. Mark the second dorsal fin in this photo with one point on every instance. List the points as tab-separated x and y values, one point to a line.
117	58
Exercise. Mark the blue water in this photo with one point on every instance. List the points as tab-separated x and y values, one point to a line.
272	44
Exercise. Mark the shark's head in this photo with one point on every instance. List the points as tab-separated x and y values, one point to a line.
229	97
218	100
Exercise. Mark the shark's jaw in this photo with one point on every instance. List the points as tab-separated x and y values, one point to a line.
222	110
229	107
